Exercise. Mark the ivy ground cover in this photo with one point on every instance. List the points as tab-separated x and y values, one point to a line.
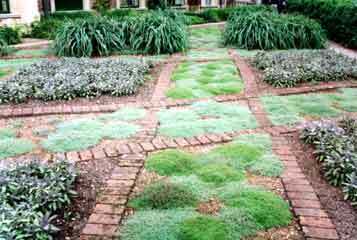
205	117
197	80
283	110
174	207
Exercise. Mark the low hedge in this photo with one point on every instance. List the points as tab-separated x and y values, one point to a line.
261	28
338	17
61	15
336	149
290	68
32	196
46	28
68	78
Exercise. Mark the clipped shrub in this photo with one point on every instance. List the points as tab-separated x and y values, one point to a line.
216	14
338	17
193	20
10	35
46	28
121	13
261	29
158	33
31	197
88	37
203	227
68	78
290	68
171	162
164	195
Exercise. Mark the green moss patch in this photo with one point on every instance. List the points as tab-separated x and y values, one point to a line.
203	228
195	55
205	117
80	134
209	37
218	174
284	110
164	195
197	80
10	146
33	52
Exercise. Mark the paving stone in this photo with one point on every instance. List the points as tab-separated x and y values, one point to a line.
316	222
147	146
134	147
123	149
100	230
108	209
182	142
322	233
302	195
158	143
203	139
112	199
105	219
310	212
300	203
85	155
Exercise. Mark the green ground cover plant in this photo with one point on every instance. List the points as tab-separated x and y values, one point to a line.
83	133
263	28
68	78
209	37
335	144
195	80
338	17
195	54
285	110
11	145
18	63
205	117
167	209
33	52
33	195
290	68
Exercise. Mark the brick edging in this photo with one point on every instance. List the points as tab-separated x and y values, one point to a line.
312	218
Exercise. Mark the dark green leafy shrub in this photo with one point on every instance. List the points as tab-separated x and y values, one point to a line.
5	49
336	150
88	37
121	13
203	228
338	17
216	14
10	35
46	28
164	195
158	33
262	29
31	197
290	68
68	78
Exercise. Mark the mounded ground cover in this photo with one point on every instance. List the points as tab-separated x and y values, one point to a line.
68	78
11	145
205	117
83	133
284	110
290	68
195	179
197	80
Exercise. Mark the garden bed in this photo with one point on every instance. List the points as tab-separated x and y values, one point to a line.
143	93
342	214
205	79
299	68
173	179
68	133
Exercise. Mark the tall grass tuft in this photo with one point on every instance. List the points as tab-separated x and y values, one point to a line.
262	28
88	37
159	33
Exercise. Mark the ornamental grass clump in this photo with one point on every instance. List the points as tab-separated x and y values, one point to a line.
68	78
158	33
290	68
92	36
263	29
